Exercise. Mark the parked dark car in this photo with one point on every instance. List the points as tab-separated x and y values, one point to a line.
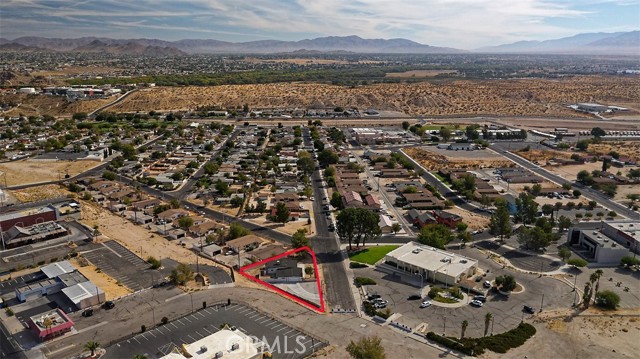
87	312
108	305
414	297
373	296
528	309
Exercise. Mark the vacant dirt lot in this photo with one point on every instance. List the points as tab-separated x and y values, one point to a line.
629	149
433	161
38	193
33	171
533	97
590	334
38	105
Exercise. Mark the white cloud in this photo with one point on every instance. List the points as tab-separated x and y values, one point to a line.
456	23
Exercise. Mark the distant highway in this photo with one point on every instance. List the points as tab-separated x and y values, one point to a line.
119	99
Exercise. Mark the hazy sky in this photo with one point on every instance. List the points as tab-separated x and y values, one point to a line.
465	24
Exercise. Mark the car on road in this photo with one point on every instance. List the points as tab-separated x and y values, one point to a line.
373	296
332	227
108	305
478	231
87	312
414	297
476	303
486	284
230	253
481	298
528	309
312	198
425	304
379	305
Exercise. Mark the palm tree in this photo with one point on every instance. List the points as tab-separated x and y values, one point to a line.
598	274
487	321
92	346
586	296
465	324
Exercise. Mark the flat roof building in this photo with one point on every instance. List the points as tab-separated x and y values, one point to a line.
431	263
605	243
50	324
225	344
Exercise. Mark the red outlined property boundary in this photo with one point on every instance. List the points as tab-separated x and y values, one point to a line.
319	309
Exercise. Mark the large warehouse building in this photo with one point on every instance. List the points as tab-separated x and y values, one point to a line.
432	264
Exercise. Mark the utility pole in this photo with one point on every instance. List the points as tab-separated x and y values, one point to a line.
575	290
542	302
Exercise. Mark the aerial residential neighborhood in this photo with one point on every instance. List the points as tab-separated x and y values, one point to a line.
201	180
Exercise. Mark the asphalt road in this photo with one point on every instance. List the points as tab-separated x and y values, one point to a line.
8	347
586	191
327	248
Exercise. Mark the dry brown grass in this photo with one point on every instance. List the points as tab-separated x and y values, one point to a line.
629	149
518	97
434	162
34	171
533	97
39	193
420	73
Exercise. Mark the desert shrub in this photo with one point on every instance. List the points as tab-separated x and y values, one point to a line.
360	281
357	265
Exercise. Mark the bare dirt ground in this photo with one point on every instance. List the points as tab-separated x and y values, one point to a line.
433	161
38	193
543	156
135	238
39	105
111	288
296	61
524	97
33	171
570	172
474	220
591	334
624	190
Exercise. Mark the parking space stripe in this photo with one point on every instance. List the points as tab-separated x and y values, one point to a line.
151	332
192	338
289	331
181	323
204	316
145	338
281	329
137	340
253	316
197	332
187	319
175	326
206	330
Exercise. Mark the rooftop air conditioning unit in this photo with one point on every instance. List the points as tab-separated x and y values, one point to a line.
235	346
203	349
218	355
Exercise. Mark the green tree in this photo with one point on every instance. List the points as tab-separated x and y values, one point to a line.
336	200
597	274
236	201
583	145
506	282
140	356
154	262
109	176
92	346
564	253
577	262
327	157
181	274
236	230
598	132
526	208
607	299
435	235
547	209
405	125
485	201
366	348
487	320
586	295
445	133
396	227
222	187
185	222
305	163
500	223
563	223
357	225
299	239
282	213
584	177
466	185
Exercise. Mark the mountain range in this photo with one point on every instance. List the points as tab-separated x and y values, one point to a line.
591	43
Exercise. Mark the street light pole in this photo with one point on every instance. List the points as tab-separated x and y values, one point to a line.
575	290
542	302
191	295
444	327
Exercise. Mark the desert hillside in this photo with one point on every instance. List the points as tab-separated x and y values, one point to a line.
531	97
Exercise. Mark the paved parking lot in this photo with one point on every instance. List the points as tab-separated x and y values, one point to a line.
507	311
118	262
524	261
286	342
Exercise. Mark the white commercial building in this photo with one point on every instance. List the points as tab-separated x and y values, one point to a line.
605	243
432	264
225	344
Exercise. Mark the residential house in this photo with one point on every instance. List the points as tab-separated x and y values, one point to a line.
244	243
450	220
283	269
